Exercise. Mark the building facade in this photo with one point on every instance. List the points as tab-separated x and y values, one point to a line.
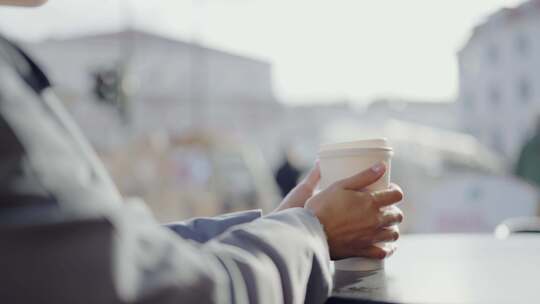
499	79
177	135
172	85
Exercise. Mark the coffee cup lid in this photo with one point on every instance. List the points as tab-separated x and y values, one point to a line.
372	143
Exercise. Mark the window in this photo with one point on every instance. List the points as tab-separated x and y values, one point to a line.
494	95
524	90
493	54
522	44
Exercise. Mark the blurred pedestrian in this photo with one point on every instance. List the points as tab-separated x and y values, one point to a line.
287	175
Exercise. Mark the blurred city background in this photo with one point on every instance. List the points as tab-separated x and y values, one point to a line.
208	106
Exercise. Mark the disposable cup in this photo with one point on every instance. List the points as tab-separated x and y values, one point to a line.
342	160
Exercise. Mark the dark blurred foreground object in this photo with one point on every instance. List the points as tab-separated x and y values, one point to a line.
449	268
287	176
517	225
35	271
528	165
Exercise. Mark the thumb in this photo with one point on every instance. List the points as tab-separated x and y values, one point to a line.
363	179
301	193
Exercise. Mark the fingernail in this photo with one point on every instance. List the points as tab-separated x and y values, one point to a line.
378	168
394	248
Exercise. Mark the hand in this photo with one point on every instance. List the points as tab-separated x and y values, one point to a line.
303	191
354	220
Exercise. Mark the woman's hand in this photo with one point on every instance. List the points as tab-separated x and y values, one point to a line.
302	192
354	220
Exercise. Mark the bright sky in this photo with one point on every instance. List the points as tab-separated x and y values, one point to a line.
320	49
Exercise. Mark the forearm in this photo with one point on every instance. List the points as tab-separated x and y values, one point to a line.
205	228
271	260
285	252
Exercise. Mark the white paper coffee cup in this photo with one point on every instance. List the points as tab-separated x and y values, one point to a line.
342	160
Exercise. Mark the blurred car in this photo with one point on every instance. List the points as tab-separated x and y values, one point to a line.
193	174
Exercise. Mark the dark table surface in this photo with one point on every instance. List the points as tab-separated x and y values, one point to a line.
450	269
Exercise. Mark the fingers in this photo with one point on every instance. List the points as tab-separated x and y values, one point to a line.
312	179
376	252
391	217
363	179
387	197
388	234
